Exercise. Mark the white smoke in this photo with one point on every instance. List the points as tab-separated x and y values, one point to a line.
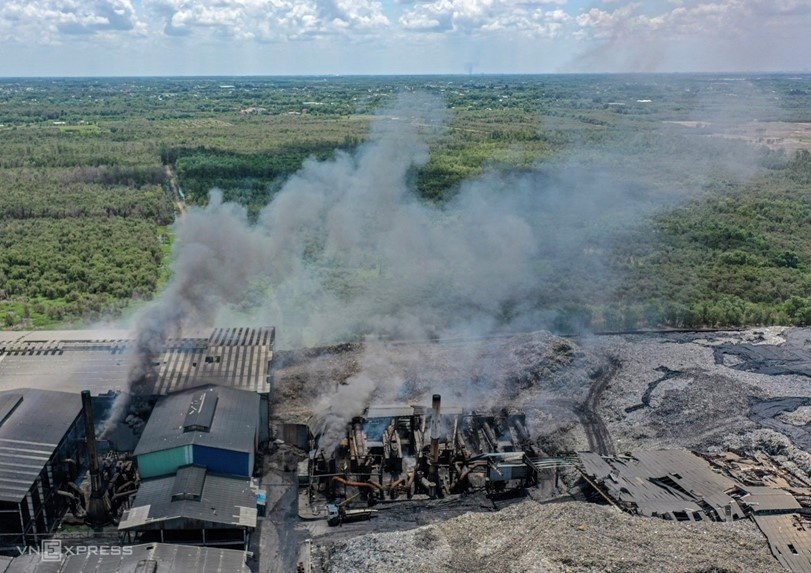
347	249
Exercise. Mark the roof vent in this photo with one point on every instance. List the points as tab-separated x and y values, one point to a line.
201	412
188	483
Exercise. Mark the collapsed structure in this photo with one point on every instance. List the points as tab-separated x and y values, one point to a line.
683	486
406	451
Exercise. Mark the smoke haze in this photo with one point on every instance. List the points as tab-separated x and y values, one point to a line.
348	249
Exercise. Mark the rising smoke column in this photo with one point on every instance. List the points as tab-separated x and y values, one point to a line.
347	249
215	256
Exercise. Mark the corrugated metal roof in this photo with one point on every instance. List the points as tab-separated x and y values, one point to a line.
236	357
166	558
99	360
233	427
789	539
224	501
763	499
664	483
30	434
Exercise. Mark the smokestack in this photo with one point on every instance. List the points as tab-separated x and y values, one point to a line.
435	431
98	506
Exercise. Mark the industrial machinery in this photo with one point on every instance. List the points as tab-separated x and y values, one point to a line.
337	513
396	452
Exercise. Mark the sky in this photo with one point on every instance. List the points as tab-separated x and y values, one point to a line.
314	37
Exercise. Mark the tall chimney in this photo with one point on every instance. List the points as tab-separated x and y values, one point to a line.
435	426
98	506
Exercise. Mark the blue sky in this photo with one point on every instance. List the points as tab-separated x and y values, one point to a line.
225	37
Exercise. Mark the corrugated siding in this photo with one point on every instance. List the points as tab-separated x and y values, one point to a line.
164	462
223	461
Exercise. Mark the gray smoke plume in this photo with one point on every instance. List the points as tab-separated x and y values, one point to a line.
348	249
217	254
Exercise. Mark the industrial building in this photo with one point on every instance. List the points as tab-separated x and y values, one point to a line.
195	457
152	558
215	427
192	506
41	442
101	360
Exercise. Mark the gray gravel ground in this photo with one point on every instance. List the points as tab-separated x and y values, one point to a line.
556	538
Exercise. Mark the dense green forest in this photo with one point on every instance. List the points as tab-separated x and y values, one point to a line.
93	171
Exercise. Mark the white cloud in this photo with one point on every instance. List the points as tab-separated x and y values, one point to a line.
482	16
552	32
683	17
47	20
270	19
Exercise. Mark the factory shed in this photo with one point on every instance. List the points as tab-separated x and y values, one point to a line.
671	484
101	360
211	426
146	558
41	434
195	507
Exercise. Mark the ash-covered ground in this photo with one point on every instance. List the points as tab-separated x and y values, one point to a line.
748	390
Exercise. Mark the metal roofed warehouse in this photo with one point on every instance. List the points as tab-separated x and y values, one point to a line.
211	426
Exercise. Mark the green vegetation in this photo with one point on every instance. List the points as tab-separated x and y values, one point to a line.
740	255
87	169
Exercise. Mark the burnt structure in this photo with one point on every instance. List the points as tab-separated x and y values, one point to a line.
99	508
41	438
410	452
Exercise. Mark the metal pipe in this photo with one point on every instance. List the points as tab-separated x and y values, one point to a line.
369	484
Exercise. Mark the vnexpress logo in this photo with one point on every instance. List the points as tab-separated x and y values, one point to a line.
51	550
